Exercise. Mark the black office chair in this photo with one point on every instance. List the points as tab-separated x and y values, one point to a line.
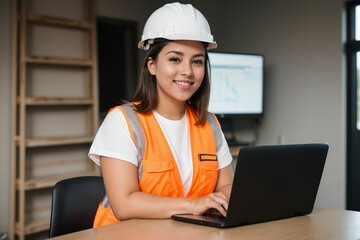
74	204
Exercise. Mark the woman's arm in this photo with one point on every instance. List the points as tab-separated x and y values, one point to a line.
225	181
127	201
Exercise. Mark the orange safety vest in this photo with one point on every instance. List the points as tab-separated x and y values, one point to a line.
160	175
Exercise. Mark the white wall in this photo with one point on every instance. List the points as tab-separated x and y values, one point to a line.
302	42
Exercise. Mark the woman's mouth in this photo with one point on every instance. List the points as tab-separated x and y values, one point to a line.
183	83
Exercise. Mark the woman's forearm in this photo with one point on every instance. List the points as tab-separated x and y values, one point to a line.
143	205
226	189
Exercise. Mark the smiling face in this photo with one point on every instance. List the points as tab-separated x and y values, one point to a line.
179	70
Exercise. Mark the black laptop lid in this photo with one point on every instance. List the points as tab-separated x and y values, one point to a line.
274	182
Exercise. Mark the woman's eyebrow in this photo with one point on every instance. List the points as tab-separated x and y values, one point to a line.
176	52
182	54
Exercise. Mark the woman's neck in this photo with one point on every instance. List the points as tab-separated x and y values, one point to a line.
172	111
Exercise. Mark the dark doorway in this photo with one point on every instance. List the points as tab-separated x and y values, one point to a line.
117	61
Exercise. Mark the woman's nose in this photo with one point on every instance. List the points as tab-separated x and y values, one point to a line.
186	69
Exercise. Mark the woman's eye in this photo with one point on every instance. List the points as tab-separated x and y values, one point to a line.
174	59
198	62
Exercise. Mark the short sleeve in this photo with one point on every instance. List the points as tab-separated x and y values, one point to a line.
223	153
113	140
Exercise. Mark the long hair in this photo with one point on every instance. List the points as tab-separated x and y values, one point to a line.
146	96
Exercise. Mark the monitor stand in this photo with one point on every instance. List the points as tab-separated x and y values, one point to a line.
227	127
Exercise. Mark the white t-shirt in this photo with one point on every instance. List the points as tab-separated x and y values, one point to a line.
113	140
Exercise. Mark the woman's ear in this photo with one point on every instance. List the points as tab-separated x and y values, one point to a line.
151	64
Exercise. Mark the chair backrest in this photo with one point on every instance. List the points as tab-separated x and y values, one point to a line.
74	204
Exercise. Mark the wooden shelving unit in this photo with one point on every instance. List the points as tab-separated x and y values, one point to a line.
55	106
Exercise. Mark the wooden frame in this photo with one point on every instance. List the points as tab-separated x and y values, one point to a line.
24	141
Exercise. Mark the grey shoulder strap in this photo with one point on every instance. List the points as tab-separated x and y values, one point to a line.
136	128
216	130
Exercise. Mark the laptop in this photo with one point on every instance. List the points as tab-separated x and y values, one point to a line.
271	182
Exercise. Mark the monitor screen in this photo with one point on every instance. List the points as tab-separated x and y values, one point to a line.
237	84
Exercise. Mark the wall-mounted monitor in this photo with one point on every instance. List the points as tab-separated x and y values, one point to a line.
237	84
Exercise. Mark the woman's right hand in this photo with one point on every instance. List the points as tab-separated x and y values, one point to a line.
213	201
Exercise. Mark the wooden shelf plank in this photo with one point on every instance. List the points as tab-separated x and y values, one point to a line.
44	101
57	141
54	164
34	226
48	182
37	226
50	60
60	22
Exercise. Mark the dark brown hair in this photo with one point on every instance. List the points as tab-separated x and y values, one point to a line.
146	95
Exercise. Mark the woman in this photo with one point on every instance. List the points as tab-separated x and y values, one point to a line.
175	162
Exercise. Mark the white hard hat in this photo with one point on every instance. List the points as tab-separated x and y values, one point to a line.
175	21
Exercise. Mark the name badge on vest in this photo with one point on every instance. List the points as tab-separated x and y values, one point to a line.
207	157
